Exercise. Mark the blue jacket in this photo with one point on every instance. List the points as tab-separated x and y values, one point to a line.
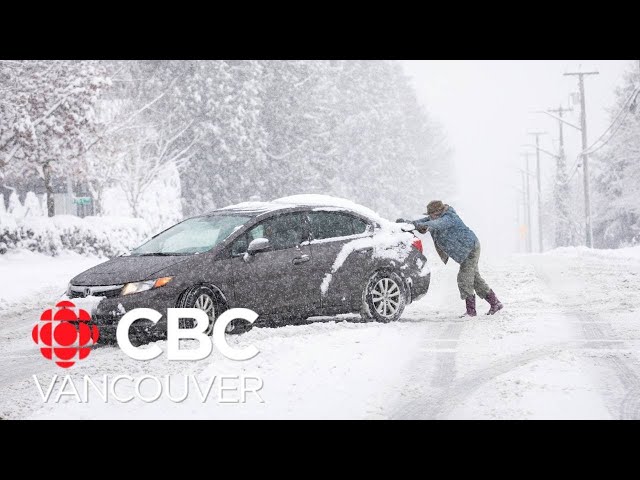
450	234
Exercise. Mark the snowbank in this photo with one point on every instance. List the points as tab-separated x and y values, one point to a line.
100	236
627	252
34	278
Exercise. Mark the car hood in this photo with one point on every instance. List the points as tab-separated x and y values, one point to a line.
125	269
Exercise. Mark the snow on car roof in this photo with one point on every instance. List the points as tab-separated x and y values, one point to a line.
252	207
321	202
330	201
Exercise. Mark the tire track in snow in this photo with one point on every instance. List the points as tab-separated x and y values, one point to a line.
593	327
20	365
439	404
627	373
446	359
449	392
15	332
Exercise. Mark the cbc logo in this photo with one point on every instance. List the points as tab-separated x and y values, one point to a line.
65	336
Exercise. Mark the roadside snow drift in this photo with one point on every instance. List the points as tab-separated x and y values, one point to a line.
101	236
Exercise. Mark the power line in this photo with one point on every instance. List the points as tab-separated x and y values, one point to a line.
574	168
620	124
624	110
610	137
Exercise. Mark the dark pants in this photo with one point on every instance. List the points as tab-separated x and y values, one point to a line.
469	279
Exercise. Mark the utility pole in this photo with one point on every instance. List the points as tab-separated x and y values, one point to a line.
527	200
522	232
538	179
522	228
560	111
561	189
526	212
585	157
518	223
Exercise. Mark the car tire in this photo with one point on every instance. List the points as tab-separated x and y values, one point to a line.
384	297
137	338
204	298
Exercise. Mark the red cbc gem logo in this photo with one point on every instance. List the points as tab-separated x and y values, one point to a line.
65	336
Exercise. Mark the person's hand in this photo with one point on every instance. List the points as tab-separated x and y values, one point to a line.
423	229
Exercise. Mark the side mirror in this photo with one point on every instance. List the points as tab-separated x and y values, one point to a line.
258	245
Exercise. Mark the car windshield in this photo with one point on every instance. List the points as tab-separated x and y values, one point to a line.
195	235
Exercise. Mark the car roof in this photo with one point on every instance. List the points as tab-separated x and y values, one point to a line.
258	208
299	202
250	208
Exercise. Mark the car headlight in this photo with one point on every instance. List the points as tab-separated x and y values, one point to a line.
135	287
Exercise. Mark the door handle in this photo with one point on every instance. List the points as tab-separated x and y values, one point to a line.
301	259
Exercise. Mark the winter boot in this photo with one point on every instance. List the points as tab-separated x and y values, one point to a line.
494	302
471	307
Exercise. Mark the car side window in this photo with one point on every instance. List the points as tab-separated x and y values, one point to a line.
283	231
334	224
359	225
240	245
256	232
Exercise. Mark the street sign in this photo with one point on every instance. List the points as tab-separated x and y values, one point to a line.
82	200
523	231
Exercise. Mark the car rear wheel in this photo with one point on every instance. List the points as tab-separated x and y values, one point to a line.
384	297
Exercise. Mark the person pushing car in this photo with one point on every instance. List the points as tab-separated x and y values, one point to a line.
452	238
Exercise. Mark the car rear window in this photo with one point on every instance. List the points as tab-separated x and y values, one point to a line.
359	225
335	224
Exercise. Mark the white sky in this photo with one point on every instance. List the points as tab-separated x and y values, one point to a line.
485	108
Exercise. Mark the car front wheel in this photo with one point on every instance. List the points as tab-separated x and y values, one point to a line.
204	298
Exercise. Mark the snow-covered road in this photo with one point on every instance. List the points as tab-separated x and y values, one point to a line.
565	346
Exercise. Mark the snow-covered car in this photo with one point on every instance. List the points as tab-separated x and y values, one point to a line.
292	258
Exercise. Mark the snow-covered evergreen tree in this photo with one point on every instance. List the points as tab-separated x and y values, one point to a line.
223	99
616	208
233	130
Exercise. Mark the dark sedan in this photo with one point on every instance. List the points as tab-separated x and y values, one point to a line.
285	261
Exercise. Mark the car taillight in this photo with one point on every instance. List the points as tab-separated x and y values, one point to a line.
417	243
